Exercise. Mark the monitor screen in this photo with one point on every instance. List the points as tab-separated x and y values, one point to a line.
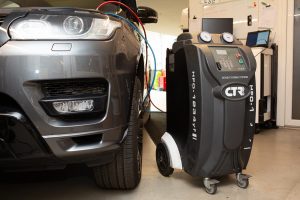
217	25
258	39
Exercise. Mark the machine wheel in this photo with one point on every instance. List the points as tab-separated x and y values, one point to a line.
210	185
242	181
212	189
125	171
163	160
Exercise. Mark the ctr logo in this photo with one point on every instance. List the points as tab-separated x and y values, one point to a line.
235	91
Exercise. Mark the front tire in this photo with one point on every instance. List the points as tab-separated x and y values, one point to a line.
125	171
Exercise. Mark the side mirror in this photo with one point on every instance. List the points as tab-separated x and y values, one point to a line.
147	15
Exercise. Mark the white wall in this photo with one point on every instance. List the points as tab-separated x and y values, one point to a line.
262	17
159	42
169	15
239	10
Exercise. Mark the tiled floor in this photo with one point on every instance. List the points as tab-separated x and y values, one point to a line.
274	165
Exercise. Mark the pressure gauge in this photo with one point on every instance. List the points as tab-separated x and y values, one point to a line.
228	37
205	37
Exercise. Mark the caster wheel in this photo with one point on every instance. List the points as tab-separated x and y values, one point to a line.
212	189
163	160
242	180
210	185
244	183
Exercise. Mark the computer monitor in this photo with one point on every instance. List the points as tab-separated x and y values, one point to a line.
258	39
217	25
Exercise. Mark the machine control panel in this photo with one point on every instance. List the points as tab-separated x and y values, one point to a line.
229	59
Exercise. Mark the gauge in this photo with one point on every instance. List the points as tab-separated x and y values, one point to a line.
205	37
228	37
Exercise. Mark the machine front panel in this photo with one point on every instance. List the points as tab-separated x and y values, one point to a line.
229	59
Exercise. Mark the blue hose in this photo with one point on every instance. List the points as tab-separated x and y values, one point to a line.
139	32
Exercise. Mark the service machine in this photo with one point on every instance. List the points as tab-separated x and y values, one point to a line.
210	108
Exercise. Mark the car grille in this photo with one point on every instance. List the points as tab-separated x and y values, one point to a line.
2	17
74	88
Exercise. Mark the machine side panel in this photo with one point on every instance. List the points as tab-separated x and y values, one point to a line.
177	97
194	138
249	127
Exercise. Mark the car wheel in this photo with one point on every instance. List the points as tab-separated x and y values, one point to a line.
125	171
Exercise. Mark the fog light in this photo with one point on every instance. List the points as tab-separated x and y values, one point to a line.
74	106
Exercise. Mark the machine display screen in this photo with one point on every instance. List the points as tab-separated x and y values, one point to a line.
229	59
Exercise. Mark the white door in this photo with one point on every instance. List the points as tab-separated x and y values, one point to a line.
293	65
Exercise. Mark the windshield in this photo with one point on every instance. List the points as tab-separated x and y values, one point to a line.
89	4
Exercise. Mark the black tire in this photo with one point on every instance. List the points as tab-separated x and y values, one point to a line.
163	160
125	171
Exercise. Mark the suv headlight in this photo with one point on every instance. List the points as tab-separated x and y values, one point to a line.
56	27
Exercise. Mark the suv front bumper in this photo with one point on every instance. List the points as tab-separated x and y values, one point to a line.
23	64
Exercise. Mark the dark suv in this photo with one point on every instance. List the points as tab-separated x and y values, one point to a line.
71	89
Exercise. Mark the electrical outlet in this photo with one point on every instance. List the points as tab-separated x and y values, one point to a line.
249	20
